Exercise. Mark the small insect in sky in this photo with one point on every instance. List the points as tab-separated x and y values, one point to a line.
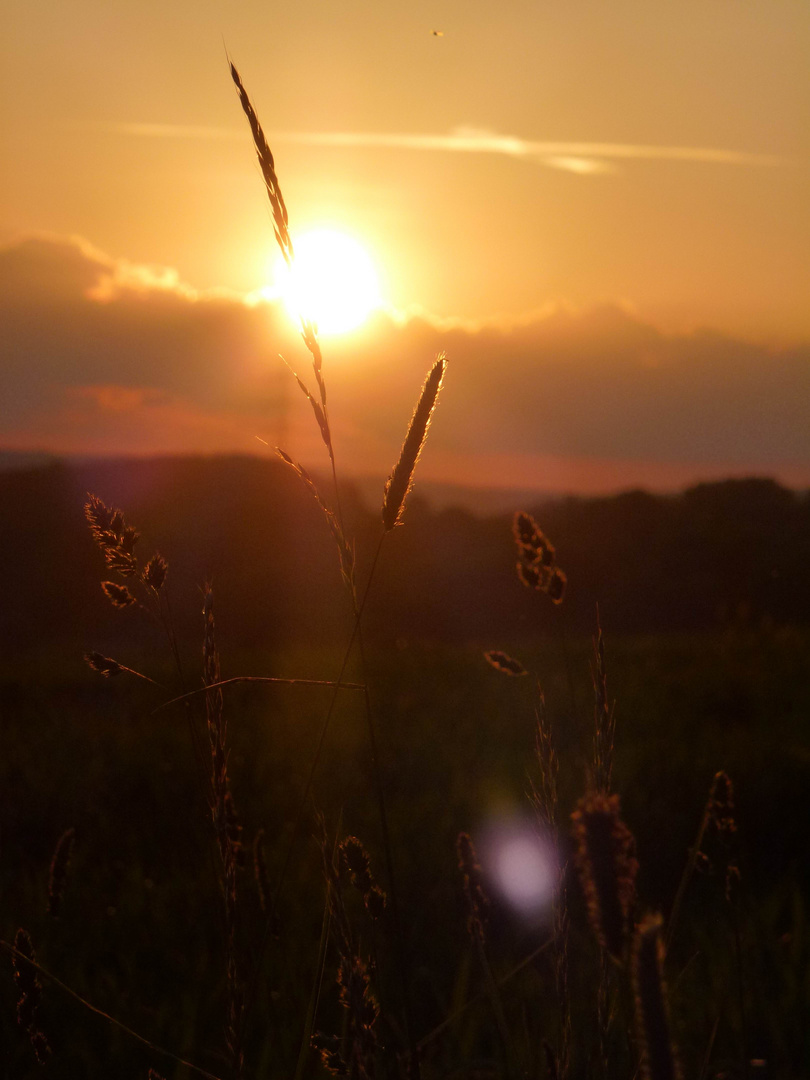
438	33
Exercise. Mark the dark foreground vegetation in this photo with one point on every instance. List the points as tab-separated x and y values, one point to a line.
704	600
716	555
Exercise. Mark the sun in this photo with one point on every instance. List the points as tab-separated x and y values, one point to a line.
332	281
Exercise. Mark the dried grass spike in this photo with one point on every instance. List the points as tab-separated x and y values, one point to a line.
477	901
118	595
104	665
29	992
57	878
556	585
328	1047
376	902
99	516
154	573
120	561
658	1058
607	865
504	663
721	804
530	539
129	538
534	575
345	550
320	416
268	167
357	862
400	481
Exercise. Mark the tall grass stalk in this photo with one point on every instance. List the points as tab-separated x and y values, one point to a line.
395	494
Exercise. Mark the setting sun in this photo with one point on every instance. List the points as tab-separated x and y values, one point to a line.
332	281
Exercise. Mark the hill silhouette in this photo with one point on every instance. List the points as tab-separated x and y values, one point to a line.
734	550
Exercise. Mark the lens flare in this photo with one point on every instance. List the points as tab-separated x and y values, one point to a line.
520	865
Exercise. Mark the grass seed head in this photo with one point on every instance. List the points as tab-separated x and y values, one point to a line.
29	992
355	861
57	878
557	585
401	479
114	537
658	1058
477	900
119	595
154	573
606	861
104	665
504	663
268	168
533	545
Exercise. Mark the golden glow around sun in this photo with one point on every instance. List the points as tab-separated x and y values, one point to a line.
332	281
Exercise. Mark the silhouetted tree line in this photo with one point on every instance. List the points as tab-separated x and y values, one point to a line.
738	550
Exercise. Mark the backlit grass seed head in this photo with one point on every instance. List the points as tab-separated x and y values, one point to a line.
328	1048
534	546
606	860
114	537
534	575
154	573
60	864
375	901
320	415
268	168
401	479
345	549
658	1057
504	663
356	864
102	519
29	992
121	562
536	565
548	579
477	901
557	585
104	665
721	819
118	595
721	804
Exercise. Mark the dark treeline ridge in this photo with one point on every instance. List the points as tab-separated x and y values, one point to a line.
737	550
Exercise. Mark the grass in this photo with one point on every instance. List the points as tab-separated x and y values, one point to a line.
86	754
137	824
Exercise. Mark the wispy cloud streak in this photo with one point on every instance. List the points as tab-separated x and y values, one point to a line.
577	157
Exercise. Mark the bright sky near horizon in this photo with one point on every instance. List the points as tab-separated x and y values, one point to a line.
531	157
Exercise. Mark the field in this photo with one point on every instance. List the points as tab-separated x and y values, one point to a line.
141	936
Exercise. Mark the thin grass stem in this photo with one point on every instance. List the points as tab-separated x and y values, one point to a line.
106	1016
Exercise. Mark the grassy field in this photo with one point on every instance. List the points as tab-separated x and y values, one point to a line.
140	935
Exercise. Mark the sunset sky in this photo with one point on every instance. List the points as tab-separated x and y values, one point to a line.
600	212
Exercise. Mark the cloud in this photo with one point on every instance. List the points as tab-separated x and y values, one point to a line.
102	356
583	158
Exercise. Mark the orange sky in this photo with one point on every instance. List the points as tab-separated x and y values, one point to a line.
647	160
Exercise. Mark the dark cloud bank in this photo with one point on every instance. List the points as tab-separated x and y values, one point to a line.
102	357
